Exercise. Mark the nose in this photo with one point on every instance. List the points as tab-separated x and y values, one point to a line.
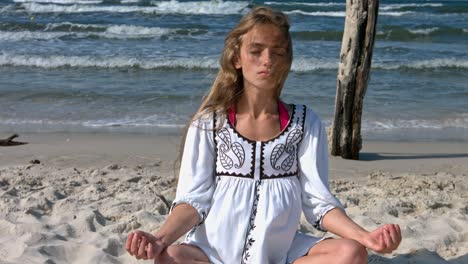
267	58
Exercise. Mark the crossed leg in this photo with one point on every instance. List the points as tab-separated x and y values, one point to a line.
342	251
182	254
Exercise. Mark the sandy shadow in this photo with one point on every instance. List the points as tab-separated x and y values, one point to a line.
460	260
420	256
367	156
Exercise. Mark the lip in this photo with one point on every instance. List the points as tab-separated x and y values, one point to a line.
264	73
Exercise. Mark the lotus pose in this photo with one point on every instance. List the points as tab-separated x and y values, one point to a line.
251	164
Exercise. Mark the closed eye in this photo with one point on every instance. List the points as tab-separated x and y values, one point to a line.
279	52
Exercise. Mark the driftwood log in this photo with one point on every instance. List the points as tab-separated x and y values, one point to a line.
353	76
9	141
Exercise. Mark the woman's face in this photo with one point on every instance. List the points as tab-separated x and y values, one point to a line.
263	57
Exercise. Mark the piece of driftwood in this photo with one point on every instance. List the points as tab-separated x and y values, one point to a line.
164	200
9	141
353	76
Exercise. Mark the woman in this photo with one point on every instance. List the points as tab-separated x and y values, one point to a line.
251	164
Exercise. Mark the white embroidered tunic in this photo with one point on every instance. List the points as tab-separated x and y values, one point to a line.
250	194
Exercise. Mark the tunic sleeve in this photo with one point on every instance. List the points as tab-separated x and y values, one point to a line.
313	172
196	177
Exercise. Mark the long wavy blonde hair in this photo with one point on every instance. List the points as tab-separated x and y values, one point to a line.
228	85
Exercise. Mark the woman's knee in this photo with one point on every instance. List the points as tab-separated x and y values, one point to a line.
353	252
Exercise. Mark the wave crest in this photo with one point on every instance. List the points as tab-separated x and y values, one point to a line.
57	61
209	63
170	7
60	30
411	5
63	2
342	13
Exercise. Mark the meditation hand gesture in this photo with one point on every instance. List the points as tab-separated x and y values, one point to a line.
384	239
144	245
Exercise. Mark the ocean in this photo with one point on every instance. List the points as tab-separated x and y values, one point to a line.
142	66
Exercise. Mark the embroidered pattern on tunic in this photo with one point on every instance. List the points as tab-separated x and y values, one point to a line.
317	224
236	148
249	240
241	150
249	231
289	148
235	152
278	157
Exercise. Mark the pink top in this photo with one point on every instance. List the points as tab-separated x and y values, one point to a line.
283	115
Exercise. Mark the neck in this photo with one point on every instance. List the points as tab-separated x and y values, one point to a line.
255	103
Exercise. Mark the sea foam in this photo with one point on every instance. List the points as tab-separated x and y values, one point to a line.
400	6
424	31
200	7
306	4
299	64
170	7
425	64
65	2
342	13
318	13
386	124
57	61
60	30
178	121
29	35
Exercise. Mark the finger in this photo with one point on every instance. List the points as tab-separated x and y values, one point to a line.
135	241
149	236
150	251
387	241
393	235
142	248
128	243
397	236
397	227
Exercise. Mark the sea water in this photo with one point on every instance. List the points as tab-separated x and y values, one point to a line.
142	66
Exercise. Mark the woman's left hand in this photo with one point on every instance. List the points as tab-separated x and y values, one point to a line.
384	239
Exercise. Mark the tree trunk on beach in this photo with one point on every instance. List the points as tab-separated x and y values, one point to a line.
353	76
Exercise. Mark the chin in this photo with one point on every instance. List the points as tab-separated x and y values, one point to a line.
267	88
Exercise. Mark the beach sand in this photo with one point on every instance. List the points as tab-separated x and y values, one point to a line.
73	198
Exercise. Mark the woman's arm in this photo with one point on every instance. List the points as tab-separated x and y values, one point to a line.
144	245
193	197
182	218
384	239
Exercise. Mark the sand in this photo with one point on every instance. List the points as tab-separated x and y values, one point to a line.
73	198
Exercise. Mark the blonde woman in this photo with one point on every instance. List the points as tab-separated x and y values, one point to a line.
251	164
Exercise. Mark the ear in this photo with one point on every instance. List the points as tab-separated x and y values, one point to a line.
237	62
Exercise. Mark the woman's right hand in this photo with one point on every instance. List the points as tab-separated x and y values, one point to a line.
143	245
384	239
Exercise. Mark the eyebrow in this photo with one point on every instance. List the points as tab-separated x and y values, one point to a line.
260	45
